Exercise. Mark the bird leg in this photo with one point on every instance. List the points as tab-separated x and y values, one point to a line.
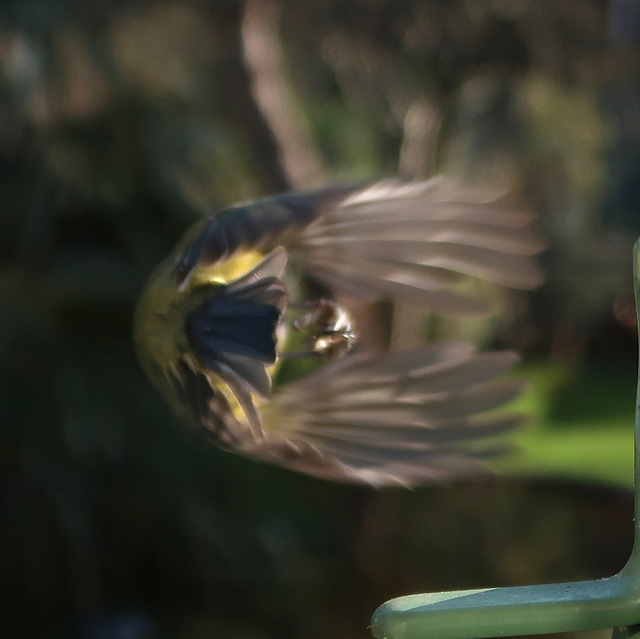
327	328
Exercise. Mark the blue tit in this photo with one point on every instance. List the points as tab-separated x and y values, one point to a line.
220	314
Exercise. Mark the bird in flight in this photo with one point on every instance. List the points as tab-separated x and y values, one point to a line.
268	281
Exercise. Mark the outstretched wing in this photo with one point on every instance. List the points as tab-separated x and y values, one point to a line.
388	241
403	418
412	241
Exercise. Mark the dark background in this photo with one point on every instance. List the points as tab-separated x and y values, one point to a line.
123	122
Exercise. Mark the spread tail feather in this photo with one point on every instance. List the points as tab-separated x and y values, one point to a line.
233	331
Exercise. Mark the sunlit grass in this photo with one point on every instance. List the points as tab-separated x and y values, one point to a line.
590	438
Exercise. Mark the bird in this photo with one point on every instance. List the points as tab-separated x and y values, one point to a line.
270	281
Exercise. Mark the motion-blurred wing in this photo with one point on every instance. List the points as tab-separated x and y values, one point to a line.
388	241
405	418
412	241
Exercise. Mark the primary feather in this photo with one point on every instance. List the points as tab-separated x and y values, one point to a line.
411	241
406	418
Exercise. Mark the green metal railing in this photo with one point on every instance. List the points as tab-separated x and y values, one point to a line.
613	602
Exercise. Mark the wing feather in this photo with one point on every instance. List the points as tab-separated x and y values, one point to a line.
369	287
391	240
399	241
406	418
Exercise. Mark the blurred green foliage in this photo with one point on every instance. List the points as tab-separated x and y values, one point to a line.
120	124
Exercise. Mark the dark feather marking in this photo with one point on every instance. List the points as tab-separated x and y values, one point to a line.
224	324
256	225
208	408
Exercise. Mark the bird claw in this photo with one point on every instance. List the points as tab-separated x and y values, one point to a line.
327	328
